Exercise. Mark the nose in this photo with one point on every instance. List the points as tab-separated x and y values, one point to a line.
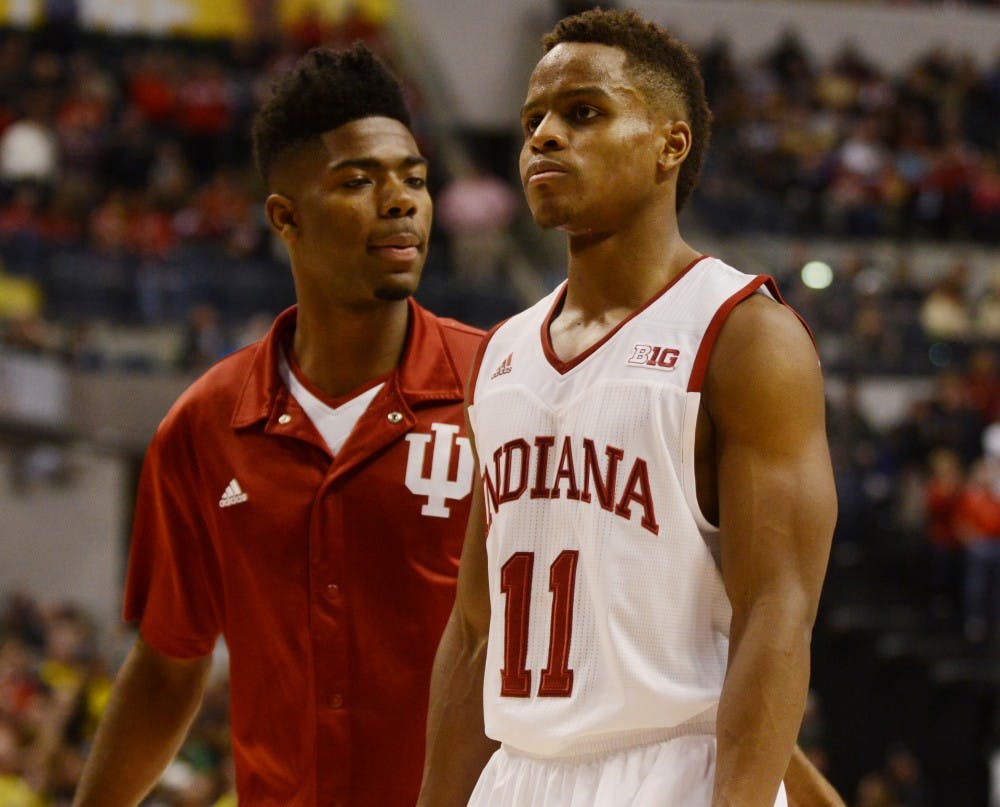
398	200
547	136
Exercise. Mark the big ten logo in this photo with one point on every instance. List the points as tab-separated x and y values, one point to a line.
663	358
440	486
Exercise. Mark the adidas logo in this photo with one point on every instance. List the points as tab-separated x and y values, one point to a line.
504	368
233	494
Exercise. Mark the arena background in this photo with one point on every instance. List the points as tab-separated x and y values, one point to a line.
856	157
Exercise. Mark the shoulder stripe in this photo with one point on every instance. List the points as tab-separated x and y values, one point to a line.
773	288
712	332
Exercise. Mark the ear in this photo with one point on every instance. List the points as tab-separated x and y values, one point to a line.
676	145
281	215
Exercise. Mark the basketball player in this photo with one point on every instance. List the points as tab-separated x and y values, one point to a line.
651	532
307	497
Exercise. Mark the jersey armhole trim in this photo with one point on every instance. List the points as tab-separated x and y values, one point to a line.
689	480
700	367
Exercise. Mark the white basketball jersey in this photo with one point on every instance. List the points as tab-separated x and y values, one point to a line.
609	615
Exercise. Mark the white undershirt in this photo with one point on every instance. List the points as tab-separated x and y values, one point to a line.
333	424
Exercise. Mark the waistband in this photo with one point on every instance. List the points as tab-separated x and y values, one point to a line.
614	743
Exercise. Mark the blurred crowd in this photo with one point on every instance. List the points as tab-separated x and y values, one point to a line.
929	486
875	315
55	679
844	148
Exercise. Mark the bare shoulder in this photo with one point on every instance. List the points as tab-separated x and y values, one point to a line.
763	365
760	328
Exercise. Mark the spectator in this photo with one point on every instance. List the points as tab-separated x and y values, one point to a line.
977	518
986	312
984	200
108	224
874	790
29	148
204	113
170	177
205	341
218	208
953	421
944	313
854	193
476	211
905	777
14	790
855	453
982	383
150	80
942	492
83	124
129	152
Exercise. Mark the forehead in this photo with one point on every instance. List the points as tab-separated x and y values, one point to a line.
574	65
375	138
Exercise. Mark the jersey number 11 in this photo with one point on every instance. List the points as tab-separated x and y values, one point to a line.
556	680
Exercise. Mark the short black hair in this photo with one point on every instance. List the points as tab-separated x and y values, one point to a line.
663	66
326	89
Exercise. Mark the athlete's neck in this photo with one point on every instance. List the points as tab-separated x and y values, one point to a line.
620	271
611	275
340	350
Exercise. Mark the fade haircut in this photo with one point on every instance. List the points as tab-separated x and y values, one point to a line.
664	69
326	89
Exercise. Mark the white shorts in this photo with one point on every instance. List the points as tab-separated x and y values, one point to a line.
674	773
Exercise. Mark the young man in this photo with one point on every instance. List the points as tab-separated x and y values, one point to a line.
648	543
307	497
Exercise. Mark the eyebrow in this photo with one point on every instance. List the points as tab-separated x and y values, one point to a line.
372	164
590	90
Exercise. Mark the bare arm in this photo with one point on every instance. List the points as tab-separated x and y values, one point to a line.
806	786
457	746
777	508
153	702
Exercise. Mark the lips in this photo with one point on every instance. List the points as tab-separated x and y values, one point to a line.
539	170
399	241
403	247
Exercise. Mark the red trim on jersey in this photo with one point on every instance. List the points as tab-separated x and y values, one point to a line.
773	288
477	363
711	334
563	367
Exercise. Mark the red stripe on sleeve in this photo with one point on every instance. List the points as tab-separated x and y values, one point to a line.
712	332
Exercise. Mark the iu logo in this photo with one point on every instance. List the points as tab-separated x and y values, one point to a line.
438	487
663	358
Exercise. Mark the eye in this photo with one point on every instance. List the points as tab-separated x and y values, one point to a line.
357	182
416	182
585	112
531	123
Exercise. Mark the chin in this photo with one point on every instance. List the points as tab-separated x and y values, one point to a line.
548	219
394	292
550	216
